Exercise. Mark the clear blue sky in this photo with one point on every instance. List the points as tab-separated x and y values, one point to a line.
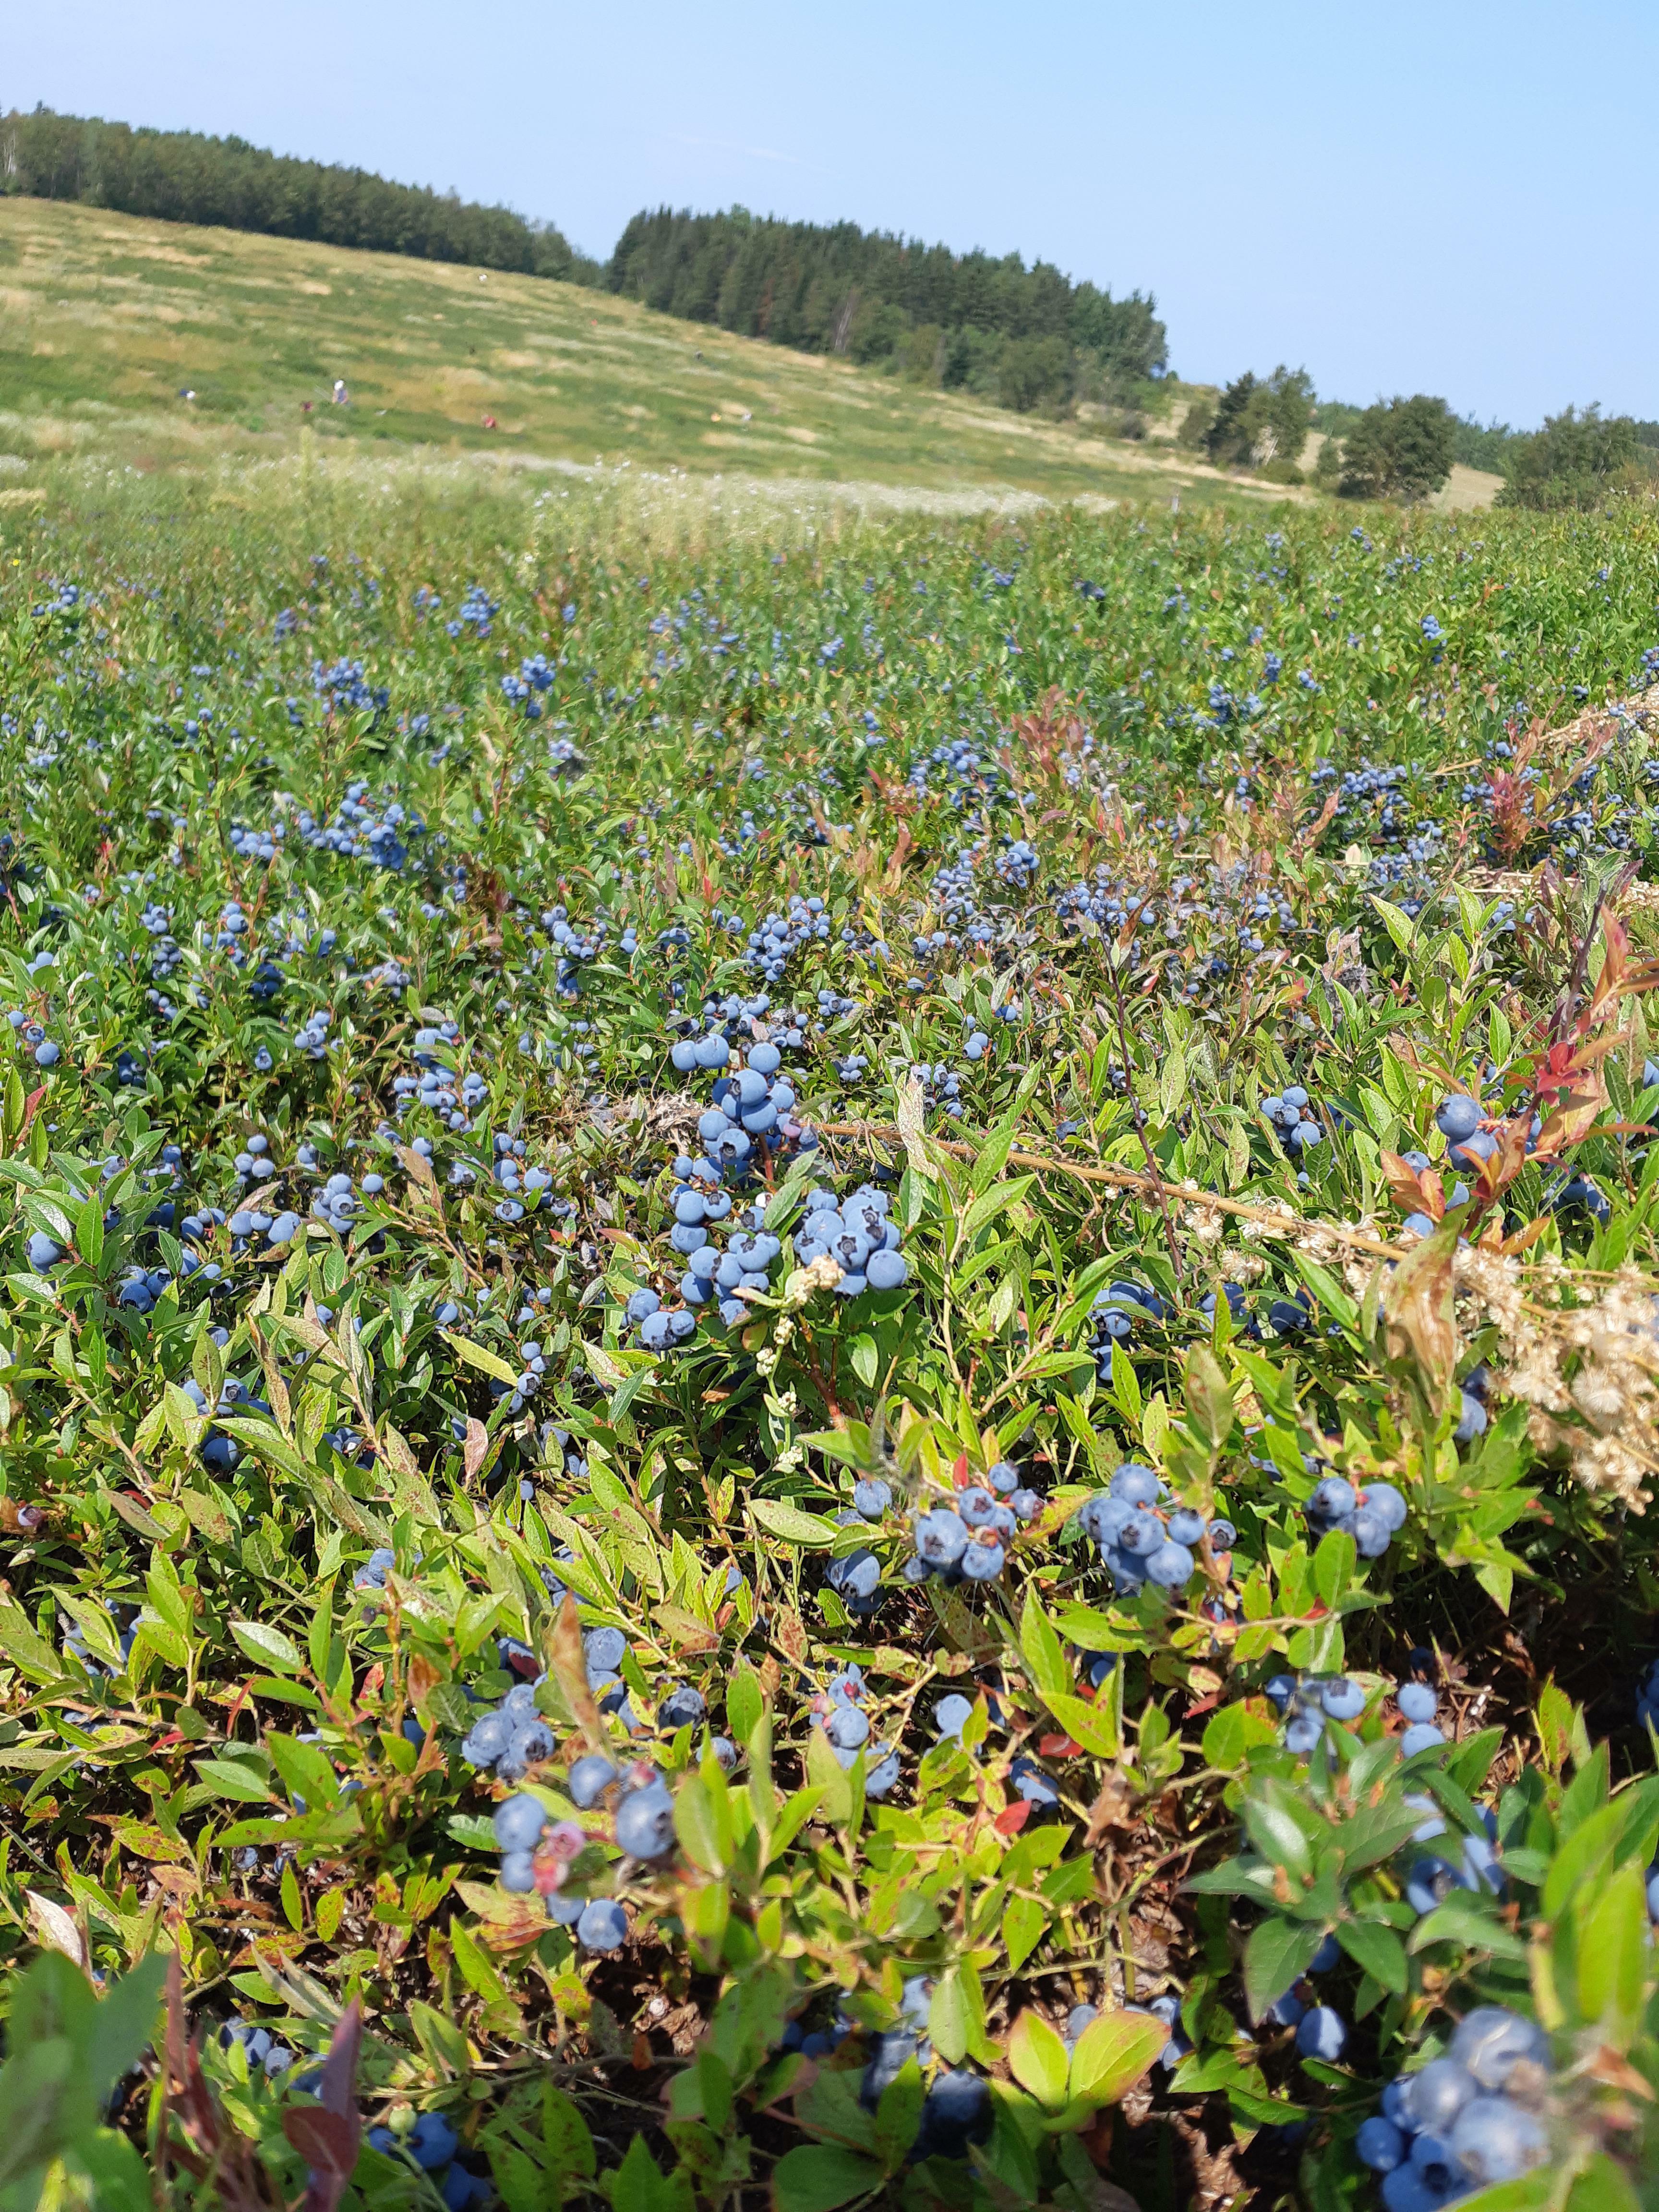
1458	199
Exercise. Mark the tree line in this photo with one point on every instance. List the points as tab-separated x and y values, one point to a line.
182	176
1405	448
1029	337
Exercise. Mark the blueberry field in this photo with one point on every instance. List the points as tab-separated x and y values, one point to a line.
829	1353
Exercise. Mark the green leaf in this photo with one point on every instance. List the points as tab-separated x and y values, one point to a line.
1462	1920
865	1361
40	2108
1333	1564
123	2022
790	1524
1278	1952
1113	2053
1125	1387
898	2115
1023	1924
89	1229
713	2088
703	1824
1324	1286
818	2176
1043	1652
26	1648
1603	2186
565	2137
306	1769
1011	2159
229	1778
947	2018
96	1625
1378	1950
1037	2058
267	1645
1278	1835
830	1778
1209	1397
1231	1733
477	1355
743	1703
637	2185
1398	923
1093	1726
1611	1967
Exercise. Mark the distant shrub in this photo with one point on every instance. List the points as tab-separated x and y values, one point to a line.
1259	420
1194	430
1402	449
1575	460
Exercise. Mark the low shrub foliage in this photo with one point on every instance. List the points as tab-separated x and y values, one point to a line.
828	1361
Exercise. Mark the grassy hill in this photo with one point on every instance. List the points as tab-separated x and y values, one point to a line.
106	319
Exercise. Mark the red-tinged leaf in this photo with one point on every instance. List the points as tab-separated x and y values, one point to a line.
570	1668
324	2140
327	2134
1012	1818
1058	1746
1404	1187
1523	1237
959	1471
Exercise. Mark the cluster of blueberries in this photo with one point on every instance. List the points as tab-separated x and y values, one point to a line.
260	2046
1299	1130
956	2111
1025	1777
941	1086
712	1274
1372	1513
1468	2121
1310	1704
512	1737
1116	1311
32	1035
751	1119
1307	1703
839	1710
538	1851
780	935
859	1234
1470	1143
1144	1537
753	1111
1123	1309
432	2145
436	1087
964	1536
378	831
526	1189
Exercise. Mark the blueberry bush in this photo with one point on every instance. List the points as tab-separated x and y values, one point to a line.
828	1355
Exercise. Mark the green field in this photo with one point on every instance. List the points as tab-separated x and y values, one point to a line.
105	320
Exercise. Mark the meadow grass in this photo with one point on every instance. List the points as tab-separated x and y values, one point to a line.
105	319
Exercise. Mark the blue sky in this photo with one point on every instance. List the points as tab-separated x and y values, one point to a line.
1456	198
